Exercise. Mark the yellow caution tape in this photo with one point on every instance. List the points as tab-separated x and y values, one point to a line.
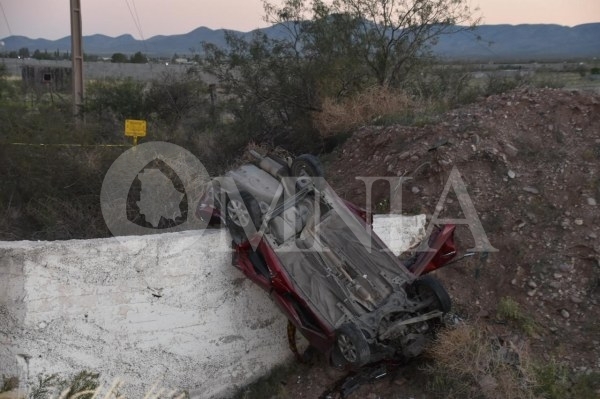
67	145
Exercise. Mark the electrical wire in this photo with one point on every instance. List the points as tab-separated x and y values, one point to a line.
137	18
134	17
136	21
6	19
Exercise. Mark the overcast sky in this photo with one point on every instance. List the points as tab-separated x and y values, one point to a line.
50	18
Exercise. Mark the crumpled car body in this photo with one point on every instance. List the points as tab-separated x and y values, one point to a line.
322	264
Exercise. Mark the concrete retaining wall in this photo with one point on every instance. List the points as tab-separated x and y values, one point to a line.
166	309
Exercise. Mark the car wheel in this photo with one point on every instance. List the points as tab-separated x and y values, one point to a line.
430	289
241	211
352	346
305	167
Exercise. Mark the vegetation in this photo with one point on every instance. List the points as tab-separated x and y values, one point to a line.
328	51
330	71
372	40
137	58
467	362
7	90
270	93
24	52
9	383
337	66
509	310
51	191
38	54
82	385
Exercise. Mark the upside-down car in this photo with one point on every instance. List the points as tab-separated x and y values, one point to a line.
321	263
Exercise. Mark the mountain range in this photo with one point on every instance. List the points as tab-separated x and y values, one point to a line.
486	42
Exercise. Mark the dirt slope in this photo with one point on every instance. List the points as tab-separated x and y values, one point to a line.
530	160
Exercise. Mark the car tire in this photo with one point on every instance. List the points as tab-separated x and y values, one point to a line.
241	210
307	165
351	346
428	286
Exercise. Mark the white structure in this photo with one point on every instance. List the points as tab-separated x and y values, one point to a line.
167	310
161	311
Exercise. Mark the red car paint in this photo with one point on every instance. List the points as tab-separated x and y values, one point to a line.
281	290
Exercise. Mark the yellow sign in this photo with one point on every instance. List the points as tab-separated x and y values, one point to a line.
135	128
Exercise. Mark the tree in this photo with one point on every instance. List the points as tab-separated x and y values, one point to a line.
23	52
139	58
119	58
38	55
321	49
386	35
273	91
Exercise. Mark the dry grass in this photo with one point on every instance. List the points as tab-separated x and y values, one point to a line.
9	383
468	363
365	108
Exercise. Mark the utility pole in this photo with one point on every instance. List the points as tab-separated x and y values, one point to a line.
77	58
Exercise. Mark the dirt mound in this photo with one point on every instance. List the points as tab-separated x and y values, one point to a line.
530	161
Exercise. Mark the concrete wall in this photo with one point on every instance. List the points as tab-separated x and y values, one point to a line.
167	309
164	310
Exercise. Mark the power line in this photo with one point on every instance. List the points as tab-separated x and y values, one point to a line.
131	14
6	19
136	21
137	17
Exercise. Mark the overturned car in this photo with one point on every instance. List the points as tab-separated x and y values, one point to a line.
318	258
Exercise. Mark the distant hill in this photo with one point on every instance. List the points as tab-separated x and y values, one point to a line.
487	42
522	42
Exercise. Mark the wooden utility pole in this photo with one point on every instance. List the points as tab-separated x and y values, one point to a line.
77	57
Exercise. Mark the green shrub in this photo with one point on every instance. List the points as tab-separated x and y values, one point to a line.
552	380
510	310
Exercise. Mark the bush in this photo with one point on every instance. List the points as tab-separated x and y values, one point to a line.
448	84
7	88
82	385
552	380
498	83
468	363
113	101
270	90
52	193
364	108
510	310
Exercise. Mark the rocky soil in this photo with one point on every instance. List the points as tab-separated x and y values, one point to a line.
530	161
